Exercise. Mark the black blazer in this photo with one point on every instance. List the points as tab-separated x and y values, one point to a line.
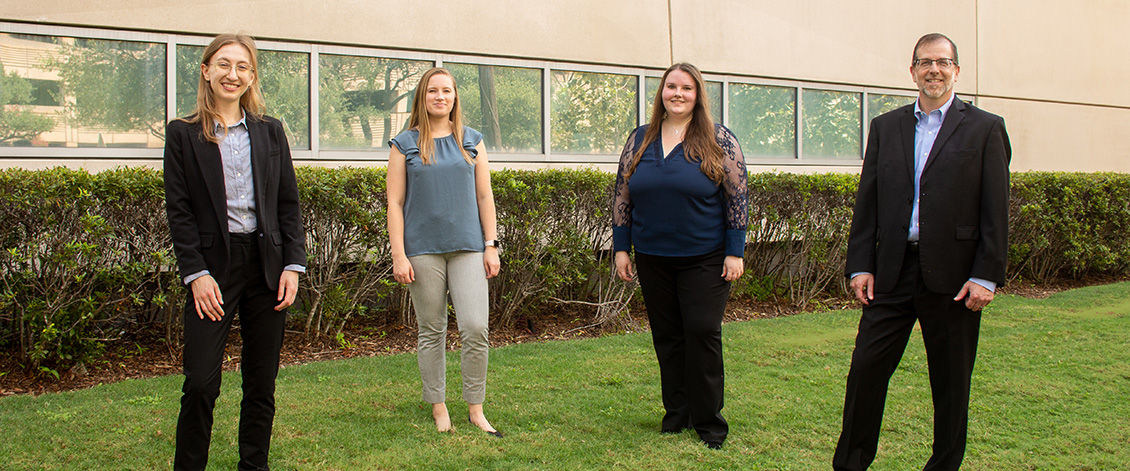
196	203
963	206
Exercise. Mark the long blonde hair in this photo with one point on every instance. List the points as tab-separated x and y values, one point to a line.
418	120
700	143
251	101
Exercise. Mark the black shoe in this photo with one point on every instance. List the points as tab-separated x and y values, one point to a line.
714	445
495	433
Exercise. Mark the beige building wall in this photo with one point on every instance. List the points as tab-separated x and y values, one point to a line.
1064	137
1053	69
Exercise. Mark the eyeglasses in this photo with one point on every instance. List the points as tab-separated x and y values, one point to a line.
944	64
225	67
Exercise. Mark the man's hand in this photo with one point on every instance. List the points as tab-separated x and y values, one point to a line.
207	297
976	296
288	288
864	288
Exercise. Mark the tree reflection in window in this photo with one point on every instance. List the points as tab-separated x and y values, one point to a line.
591	113
365	101
503	103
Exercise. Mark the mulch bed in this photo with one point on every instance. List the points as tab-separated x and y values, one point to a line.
147	354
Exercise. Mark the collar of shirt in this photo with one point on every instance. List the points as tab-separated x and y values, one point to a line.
918	113
243	121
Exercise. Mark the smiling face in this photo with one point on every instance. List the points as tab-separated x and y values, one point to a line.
679	94
440	96
935	84
229	73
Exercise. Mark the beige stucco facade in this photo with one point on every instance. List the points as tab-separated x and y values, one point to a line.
1053	69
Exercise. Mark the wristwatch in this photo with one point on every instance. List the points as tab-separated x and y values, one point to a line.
492	243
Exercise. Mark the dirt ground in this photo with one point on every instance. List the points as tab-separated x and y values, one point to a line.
147	354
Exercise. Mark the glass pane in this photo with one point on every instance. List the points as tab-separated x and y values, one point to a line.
713	97
878	104
188	78
511	119
591	113
285	81
73	92
832	124
284	78
714	100
650	86
764	119
365	101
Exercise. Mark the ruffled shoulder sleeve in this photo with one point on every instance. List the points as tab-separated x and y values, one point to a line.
406	143
471	138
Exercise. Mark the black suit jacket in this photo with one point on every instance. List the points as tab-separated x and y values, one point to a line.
963	206
196	203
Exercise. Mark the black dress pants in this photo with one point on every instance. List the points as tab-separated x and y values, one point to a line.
949	332
261	328
685	299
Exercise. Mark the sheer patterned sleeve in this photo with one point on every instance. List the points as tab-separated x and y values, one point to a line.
737	197
622	201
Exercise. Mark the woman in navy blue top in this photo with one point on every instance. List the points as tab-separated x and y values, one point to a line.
681	201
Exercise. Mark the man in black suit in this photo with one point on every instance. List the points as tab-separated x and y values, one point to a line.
232	202
928	243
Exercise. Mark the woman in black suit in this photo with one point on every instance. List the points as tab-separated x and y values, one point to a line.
232	205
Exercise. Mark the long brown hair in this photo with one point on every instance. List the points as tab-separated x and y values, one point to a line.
251	101
418	120
700	143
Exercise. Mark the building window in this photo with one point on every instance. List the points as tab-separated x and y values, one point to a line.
591	113
504	103
365	101
878	104
72	92
832	124
285	81
764	119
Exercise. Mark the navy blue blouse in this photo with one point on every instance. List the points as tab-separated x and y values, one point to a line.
670	208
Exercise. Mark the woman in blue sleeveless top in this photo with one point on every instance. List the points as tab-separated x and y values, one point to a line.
681	201
441	226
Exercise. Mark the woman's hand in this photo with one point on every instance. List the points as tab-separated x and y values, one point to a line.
624	265
402	269
490	261
733	268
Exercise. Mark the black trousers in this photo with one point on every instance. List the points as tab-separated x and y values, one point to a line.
685	299
949	332
261	328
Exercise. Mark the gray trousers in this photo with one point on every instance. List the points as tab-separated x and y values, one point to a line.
462	274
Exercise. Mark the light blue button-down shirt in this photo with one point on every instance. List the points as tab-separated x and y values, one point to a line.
925	133
239	185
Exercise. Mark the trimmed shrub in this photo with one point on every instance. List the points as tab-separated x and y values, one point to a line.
86	259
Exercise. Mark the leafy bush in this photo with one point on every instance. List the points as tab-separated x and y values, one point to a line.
87	258
798	227
1069	225
76	259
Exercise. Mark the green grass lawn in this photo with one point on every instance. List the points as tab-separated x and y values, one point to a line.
1051	391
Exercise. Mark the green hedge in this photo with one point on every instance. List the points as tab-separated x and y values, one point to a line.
87	258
